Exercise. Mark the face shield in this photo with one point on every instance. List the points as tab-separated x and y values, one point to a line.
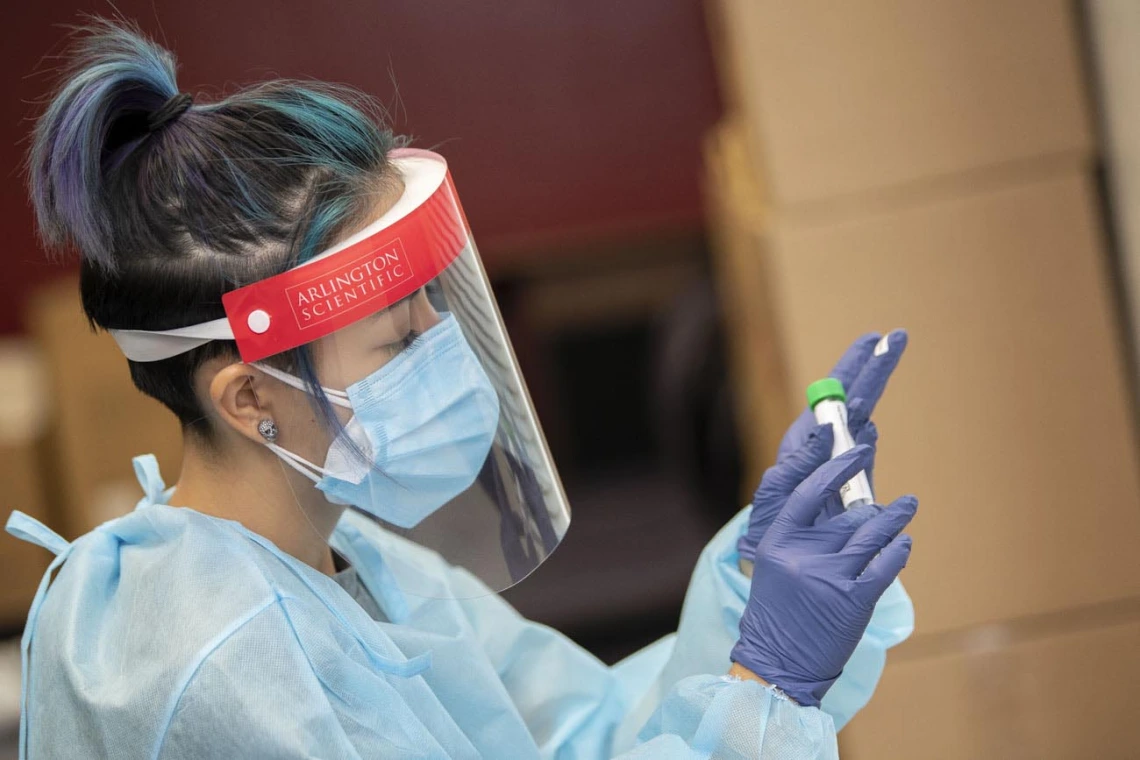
433	435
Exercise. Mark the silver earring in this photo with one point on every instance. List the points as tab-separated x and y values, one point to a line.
268	429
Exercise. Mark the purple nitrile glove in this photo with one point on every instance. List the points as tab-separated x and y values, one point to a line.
782	478
815	586
864	375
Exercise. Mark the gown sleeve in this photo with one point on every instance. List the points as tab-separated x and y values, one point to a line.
671	700
710	626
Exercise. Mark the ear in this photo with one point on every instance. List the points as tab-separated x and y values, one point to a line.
241	398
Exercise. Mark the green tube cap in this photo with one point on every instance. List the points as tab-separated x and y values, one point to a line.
827	388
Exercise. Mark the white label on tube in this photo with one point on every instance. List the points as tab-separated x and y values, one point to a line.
834	412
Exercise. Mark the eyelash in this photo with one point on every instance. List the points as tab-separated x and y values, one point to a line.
407	340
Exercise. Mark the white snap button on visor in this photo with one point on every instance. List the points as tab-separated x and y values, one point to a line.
258	321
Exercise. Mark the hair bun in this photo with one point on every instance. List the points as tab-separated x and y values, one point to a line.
115	86
169	111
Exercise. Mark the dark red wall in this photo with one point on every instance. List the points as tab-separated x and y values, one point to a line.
575	119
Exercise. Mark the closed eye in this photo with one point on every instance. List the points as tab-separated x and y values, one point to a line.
397	346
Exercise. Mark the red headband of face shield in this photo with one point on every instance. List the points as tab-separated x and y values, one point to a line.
379	266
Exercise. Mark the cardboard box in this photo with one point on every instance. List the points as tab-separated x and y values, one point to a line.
1114	27
23	424
100	420
1010	415
21	564
843	98
739	220
1053	697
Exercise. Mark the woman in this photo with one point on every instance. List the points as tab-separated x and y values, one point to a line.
363	471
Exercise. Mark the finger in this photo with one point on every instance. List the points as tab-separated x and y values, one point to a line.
811	495
839	528
869	436
874	534
796	435
857	414
851	519
872	379
832	508
883	569
852	361
778	483
782	478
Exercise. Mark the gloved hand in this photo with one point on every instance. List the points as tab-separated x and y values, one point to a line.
815	586
864	377
781	479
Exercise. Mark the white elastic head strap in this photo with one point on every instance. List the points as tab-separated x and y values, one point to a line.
153	345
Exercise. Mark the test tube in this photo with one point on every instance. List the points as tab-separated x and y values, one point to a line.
828	400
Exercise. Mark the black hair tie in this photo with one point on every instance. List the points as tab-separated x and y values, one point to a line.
169	111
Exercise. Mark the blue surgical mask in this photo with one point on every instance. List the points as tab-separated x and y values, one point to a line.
421	429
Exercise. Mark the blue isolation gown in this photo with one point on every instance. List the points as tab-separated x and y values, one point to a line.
167	633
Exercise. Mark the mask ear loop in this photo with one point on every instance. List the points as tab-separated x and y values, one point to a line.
340	398
297	462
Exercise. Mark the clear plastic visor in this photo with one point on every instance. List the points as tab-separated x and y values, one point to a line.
425	431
